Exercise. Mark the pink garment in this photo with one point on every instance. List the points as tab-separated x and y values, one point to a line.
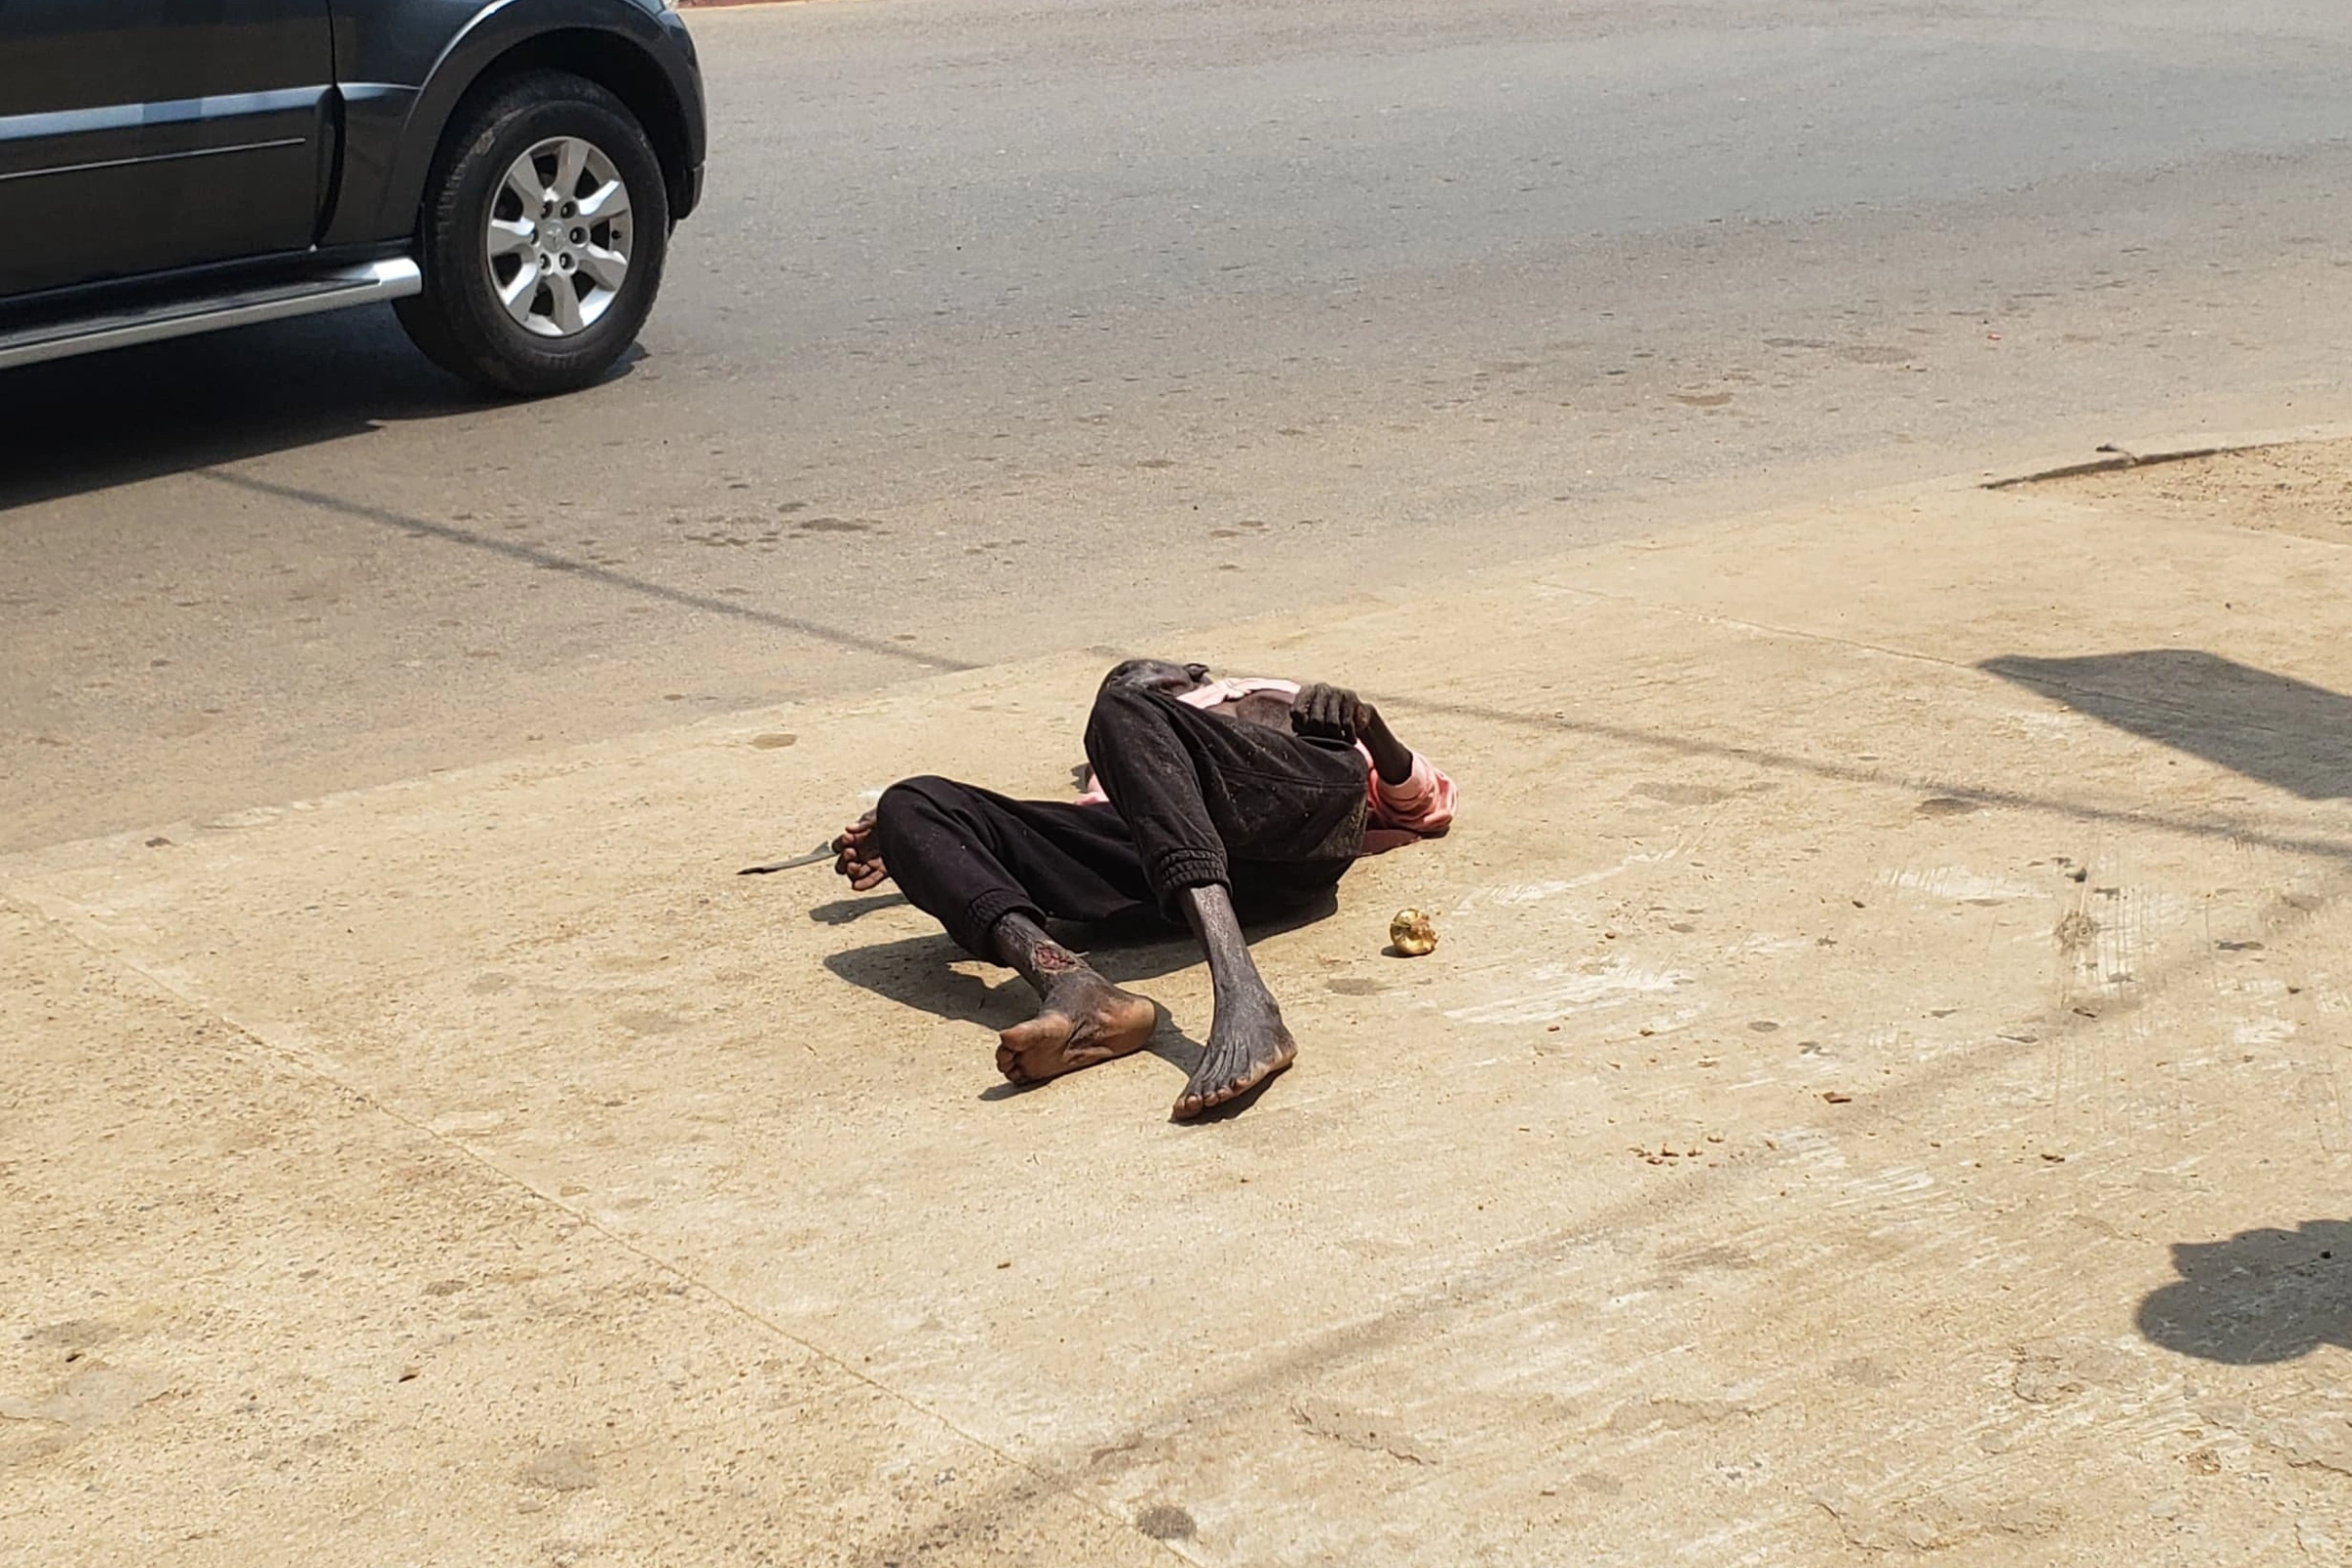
1422	806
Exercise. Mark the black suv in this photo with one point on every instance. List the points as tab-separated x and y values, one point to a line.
506	171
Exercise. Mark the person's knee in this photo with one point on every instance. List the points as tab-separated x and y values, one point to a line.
926	797
1127	700
1120	709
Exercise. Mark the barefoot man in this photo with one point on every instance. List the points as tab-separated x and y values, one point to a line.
1206	795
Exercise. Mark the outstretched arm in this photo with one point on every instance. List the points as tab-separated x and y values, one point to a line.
1334	712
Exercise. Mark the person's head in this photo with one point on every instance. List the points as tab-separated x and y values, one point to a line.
1157	675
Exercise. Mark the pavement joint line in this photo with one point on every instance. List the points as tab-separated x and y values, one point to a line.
2332	849
68	917
1792	633
549	560
600	753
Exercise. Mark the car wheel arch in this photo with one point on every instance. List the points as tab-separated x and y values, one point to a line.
609	42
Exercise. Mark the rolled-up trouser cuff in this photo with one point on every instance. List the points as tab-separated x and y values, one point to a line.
982	915
1179	869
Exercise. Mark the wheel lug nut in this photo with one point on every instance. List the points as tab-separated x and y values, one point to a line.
579	237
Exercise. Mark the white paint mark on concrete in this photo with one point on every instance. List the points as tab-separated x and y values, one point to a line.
1766	943
2049	723
1518	893
1810	1147
1901	1181
1958	884
1620	982
2262	1032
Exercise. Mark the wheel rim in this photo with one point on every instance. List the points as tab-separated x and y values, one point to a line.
558	242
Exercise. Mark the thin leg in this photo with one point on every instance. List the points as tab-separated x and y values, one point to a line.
1082	1019
1198	791
991	869
1247	1041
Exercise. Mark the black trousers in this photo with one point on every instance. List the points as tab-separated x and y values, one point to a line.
1197	800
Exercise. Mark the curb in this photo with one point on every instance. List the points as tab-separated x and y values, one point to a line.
2111	455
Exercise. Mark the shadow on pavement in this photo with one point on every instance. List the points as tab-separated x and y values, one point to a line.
134	413
842	911
916	971
2284	732
2259	1296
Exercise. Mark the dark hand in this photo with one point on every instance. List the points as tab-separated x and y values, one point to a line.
1326	713
1332	713
859	856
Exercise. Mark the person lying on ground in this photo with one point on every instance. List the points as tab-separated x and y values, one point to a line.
1209	798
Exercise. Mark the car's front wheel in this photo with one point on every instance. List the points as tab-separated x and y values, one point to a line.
541	238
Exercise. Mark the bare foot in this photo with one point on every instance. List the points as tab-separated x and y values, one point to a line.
1084	1020
1247	1046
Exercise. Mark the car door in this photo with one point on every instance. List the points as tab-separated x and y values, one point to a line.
137	135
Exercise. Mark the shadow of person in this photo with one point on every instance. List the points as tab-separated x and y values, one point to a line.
2284	732
2261	1297
919	972
840	911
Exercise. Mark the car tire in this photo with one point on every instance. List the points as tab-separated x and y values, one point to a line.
530	302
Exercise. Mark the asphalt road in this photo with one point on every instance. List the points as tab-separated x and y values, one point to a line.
1020	326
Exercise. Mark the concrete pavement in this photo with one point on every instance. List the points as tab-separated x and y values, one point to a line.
1877	1095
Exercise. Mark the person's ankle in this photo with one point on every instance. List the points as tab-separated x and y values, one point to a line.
1245	994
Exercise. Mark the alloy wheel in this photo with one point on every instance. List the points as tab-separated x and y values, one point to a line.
558	241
